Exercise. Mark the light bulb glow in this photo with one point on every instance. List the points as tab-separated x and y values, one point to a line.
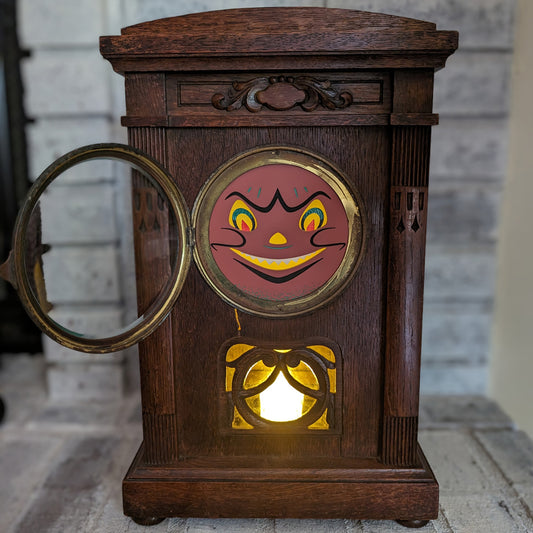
281	402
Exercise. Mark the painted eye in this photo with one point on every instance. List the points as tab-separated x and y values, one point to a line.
241	217
313	217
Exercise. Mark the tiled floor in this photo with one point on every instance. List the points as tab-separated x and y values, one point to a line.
61	467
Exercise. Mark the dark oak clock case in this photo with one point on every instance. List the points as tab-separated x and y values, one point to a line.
355	90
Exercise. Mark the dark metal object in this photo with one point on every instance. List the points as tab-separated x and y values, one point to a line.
17	332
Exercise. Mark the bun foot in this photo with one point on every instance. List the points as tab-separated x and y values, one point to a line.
413	523
147	520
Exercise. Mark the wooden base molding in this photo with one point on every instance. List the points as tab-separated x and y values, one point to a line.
267	487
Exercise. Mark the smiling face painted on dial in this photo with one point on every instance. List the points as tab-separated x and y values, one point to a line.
278	232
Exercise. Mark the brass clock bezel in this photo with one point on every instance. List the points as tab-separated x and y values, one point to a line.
268	155
160	307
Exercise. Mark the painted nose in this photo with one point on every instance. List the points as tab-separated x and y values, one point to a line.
277	238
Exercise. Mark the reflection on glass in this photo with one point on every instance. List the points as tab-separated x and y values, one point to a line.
83	239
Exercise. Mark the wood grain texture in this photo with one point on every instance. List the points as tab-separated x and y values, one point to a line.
308	43
399	440
274	62
145	93
408	215
276	21
204	88
152	269
198	118
222	499
413	90
361	492
354	320
286	33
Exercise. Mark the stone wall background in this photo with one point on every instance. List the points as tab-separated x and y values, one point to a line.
75	98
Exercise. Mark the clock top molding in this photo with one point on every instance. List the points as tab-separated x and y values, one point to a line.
278	38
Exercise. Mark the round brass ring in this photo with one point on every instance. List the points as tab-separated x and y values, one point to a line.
266	155
159	309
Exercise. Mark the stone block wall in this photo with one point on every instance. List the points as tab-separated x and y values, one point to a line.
70	95
75	98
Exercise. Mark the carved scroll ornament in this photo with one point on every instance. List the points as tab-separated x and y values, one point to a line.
281	93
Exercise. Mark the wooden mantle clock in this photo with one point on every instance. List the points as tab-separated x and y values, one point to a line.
279	206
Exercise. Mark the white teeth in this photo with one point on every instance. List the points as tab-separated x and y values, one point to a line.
285	260
277	264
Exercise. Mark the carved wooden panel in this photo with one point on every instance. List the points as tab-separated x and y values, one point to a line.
410	156
281	93
282	97
311	369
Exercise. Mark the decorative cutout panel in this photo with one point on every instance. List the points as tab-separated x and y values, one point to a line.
287	389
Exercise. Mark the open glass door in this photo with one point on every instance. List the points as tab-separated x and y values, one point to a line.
159	247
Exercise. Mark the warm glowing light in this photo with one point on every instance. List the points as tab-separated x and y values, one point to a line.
280	402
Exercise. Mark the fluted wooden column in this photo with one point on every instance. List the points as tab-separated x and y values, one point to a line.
153	264
408	208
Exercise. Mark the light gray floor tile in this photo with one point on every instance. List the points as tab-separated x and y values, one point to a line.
62	467
229	525
23	465
459	463
512	451
484	513
318	526
462	411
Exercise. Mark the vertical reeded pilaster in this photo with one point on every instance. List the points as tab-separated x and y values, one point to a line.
152	261
408	207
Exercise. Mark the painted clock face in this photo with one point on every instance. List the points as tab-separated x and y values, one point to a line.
282	228
278	232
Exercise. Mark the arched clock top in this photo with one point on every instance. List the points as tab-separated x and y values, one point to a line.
302	37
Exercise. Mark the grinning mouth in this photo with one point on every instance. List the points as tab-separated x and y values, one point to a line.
277	264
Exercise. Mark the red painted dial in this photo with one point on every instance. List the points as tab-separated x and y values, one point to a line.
278	232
